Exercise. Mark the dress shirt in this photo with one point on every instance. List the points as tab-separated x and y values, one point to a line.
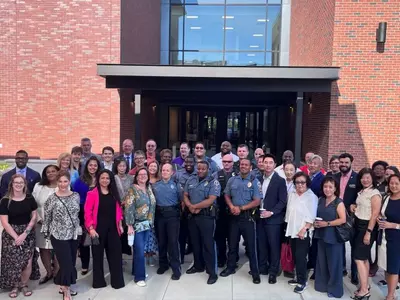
218	159
21	171
265	184
344	179
314	175
290	186
128	159
108	166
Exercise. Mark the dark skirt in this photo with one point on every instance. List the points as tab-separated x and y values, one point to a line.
360	250
14	259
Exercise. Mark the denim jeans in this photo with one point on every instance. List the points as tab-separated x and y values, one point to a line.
139	262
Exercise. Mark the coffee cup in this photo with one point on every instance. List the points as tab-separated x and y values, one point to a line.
261	211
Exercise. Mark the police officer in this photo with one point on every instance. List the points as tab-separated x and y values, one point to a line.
242	152
243	195
200	195
200	155
168	210
181	177
221	232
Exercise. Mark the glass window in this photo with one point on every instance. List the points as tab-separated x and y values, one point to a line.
274	28
246	2
176	27
203	58
176	57
274	1
204	27
245	28
205	2
244	58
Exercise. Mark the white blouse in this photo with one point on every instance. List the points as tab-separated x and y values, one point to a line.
363	202
300	210
41	193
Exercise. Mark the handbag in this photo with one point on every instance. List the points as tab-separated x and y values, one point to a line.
89	241
380	231
345	232
77	229
287	261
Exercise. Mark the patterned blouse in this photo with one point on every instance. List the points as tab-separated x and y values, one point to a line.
123	185
57	222
139	208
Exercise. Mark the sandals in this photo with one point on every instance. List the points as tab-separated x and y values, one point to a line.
71	292
26	291
14	293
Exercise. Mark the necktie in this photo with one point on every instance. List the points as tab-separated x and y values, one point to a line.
128	162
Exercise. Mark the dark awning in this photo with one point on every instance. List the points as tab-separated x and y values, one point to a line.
210	78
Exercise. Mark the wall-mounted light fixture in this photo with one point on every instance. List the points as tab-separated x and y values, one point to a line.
381	32
309	101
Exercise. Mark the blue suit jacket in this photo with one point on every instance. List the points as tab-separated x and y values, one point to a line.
32	177
316	184
275	199
351	191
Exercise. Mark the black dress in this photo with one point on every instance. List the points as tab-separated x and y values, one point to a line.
110	242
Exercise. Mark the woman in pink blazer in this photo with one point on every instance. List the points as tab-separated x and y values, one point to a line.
103	220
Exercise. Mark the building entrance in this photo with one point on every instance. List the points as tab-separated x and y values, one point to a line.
213	125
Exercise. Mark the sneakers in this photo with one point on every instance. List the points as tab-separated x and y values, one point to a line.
293	282
141	283
300	288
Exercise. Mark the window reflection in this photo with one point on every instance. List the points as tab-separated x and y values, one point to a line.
176	27
205	2
274	28
203	58
176	58
204	28
244	58
246	2
245	27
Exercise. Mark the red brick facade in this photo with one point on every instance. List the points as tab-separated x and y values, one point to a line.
364	104
49	92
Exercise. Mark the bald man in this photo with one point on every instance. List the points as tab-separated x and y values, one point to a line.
287	156
226	148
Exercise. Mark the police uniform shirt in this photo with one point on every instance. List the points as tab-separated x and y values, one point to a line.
167	193
212	165
223	178
243	190
182	176
200	190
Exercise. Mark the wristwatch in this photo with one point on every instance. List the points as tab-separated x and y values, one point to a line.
369	230
27	231
329	224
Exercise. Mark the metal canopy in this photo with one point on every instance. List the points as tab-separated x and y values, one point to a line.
210	78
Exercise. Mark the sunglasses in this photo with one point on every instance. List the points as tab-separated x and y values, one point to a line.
227	161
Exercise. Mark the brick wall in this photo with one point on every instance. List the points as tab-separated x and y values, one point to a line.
49	90
365	116
365	103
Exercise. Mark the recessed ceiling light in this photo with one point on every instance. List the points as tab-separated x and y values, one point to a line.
192	17
227	28
254	46
258	34
262	20
228	17
195	27
251	54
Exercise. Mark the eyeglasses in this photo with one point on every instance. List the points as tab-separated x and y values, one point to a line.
142	175
18	182
227	161
300	182
139	158
199	148
151	146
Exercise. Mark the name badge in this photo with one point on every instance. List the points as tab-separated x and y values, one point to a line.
206	183
172	186
353	186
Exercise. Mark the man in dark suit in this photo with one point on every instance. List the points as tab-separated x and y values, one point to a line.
272	215
127	154
347	180
31	176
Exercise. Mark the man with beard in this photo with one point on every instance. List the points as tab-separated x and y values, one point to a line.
243	195
200	194
347	180
287	156
200	155
226	148
221	232
181	178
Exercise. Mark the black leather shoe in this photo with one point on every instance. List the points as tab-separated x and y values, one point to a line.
161	270
193	270
345	273
188	251
272	279
175	277
312	277
227	272
221	264
256	280
261	273
212	279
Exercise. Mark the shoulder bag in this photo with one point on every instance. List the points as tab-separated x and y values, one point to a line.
345	231
77	229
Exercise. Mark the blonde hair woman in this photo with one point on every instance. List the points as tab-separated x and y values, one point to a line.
64	162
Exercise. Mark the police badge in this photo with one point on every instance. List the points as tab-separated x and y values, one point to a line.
249	185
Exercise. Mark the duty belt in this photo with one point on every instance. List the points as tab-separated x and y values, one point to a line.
167	208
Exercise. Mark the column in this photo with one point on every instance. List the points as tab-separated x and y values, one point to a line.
299	127
138	121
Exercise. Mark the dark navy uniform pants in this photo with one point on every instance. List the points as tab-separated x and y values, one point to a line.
329	269
168	240
245	226
201	230
221	237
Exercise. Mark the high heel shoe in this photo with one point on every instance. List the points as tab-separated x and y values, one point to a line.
358	290
363	297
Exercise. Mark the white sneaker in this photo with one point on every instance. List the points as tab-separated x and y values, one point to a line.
141	283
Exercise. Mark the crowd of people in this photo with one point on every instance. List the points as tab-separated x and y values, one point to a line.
146	202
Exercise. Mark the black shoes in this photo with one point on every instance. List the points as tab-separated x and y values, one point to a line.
312	276
345	273
221	264
272	279
212	279
161	270
193	270
227	272
175	277
256	279
261	273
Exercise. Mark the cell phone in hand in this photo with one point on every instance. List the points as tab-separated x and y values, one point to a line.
95	241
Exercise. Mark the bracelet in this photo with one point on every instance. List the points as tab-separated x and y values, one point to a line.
369	230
